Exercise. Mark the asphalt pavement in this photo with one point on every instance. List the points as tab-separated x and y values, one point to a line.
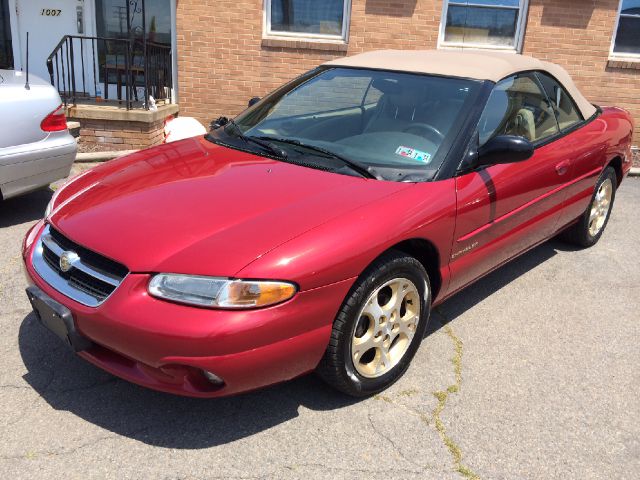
531	373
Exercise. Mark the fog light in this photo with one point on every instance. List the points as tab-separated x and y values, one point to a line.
212	377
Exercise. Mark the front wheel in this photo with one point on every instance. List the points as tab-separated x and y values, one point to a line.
379	326
593	221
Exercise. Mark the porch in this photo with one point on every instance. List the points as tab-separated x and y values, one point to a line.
118	90
112	62
124	72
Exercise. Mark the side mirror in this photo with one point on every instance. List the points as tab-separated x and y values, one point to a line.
504	149
218	122
253	101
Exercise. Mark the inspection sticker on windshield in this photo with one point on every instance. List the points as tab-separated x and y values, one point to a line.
417	155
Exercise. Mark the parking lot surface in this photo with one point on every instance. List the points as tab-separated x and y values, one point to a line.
531	373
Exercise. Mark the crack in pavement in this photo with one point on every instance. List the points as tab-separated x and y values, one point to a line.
417	413
15	387
443	395
220	477
71	451
392	471
393	444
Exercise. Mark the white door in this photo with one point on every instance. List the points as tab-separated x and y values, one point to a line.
47	21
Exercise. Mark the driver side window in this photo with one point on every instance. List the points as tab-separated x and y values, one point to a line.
517	106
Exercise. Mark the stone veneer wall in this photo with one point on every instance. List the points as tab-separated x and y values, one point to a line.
105	127
120	135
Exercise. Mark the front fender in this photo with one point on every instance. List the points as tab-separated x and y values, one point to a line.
344	247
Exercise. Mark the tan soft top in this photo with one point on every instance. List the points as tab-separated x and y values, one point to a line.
478	65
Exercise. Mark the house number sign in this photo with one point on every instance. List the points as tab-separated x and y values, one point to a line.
50	12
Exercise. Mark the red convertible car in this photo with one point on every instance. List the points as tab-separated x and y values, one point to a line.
316	230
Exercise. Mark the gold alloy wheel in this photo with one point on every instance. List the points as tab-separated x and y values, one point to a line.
600	207
385	327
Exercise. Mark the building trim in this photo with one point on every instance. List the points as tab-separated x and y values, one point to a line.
174	51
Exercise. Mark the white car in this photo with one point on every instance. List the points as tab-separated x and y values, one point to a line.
36	147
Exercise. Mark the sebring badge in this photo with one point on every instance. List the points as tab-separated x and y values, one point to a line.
67	259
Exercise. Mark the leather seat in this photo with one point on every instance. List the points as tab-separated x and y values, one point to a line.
524	125
395	111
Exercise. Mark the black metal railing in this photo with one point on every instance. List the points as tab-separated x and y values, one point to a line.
91	69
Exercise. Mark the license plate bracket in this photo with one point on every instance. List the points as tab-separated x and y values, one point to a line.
57	318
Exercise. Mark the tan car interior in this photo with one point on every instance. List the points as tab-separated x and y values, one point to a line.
415	103
529	114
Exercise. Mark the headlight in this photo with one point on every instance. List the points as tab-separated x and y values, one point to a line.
219	292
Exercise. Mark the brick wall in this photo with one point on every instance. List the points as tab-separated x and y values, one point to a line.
223	59
120	135
577	34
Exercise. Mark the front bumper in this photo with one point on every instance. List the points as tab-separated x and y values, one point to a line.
166	346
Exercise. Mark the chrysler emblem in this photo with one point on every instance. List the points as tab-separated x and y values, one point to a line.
67	259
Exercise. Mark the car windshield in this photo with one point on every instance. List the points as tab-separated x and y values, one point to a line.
394	125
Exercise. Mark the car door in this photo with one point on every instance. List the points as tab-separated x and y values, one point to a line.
504	209
580	143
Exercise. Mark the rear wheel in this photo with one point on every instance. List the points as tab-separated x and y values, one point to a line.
379	326
593	221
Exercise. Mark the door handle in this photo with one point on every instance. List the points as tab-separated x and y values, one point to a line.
562	167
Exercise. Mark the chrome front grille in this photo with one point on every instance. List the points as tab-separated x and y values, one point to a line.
89	279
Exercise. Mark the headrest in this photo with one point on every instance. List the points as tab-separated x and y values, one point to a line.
386	85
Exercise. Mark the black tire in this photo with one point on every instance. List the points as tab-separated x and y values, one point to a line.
337	366
579	234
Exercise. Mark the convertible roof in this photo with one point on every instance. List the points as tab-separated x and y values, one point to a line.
478	65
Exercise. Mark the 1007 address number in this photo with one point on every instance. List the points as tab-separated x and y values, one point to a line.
50	12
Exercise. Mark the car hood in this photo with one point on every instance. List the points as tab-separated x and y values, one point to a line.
200	208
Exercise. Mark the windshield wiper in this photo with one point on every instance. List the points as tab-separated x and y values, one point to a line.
237	132
363	170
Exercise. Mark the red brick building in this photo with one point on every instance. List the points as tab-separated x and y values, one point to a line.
206	58
232	50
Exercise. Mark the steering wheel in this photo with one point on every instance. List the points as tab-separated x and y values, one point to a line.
424	128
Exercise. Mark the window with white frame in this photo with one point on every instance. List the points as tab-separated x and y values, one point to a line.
496	24
326	19
626	40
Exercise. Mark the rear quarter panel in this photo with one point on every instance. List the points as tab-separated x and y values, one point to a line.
594	146
30	157
25	110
